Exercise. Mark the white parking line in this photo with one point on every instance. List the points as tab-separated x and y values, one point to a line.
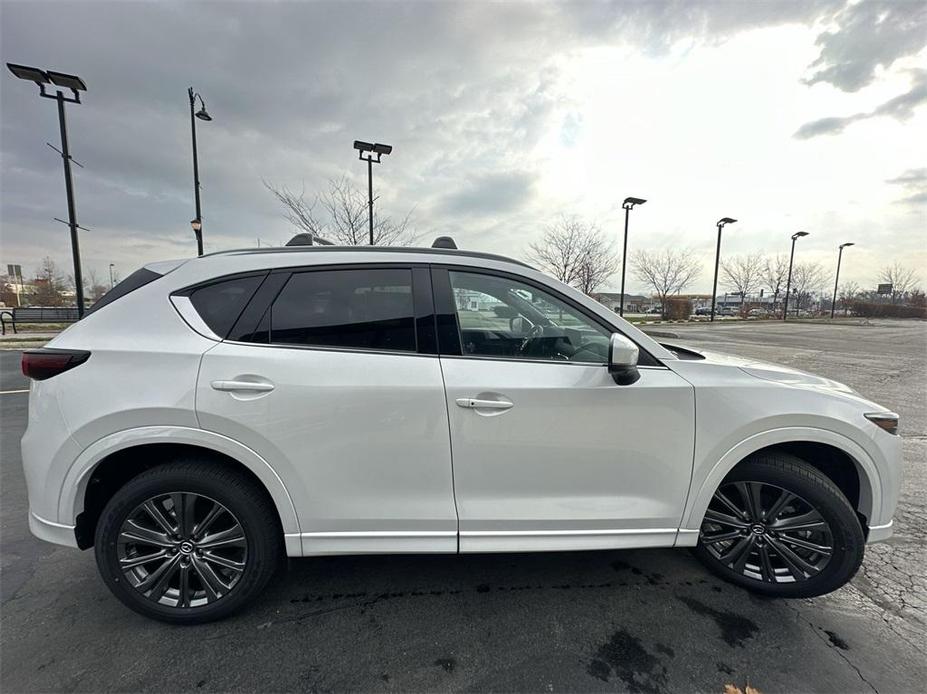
13	392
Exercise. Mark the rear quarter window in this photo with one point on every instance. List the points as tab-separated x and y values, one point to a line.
221	303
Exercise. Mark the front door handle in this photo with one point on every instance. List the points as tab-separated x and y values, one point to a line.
251	386
476	404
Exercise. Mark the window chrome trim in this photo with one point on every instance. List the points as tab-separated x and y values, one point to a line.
323	348
191	317
559	362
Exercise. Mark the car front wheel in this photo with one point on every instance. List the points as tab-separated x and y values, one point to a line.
777	526
187	542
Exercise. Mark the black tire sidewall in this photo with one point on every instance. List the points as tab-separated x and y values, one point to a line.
807	482
238	497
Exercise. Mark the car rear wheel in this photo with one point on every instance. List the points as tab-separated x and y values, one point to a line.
187	542
779	527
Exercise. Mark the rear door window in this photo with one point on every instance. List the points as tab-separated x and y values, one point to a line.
361	309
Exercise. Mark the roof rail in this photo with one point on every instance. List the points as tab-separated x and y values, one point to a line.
367	249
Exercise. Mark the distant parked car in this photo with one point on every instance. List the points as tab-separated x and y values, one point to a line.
654	309
758	313
703	311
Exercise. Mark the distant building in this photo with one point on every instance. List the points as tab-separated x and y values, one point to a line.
633	303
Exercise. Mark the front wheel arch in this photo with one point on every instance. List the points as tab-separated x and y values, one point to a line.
838	458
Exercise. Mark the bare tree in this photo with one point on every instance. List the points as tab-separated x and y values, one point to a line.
807	280
744	273
901	278
848	293
49	284
341	214
775	274
577	253
667	272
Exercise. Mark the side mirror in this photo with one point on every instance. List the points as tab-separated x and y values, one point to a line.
622	360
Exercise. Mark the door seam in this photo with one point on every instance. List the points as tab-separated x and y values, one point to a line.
450	444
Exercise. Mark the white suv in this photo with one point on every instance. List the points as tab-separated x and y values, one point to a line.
210	415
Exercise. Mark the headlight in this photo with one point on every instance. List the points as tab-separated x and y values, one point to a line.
884	420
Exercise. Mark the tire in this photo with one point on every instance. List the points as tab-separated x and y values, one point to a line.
818	515
225	548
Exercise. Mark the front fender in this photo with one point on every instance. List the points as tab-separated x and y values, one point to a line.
74	485
870	482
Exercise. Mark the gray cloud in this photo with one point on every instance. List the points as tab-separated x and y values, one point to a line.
495	193
464	91
914	184
900	108
869	35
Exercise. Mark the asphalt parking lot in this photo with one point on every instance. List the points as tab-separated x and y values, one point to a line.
638	621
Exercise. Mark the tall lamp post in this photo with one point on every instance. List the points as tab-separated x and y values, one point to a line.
628	205
76	85
112	280
833	304
197	222
714	288
788	285
366	152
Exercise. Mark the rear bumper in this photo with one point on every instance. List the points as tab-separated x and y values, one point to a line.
50	531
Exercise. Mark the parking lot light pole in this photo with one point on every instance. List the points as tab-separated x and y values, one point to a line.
112	281
788	284
76	85
714	288
833	304
628	205
197	222
366	152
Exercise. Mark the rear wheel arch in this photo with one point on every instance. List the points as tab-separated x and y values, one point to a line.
108	465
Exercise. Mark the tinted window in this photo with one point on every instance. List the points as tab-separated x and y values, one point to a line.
220	304
501	317
368	309
137	279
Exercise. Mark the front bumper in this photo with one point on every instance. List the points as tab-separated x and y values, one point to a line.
50	531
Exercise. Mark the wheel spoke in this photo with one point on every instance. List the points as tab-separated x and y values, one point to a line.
224	562
744	554
732	507
750	493
779	505
132	562
185	592
724	519
805	544
797	566
154	510
719	537
152	579
806	521
208	520
233	537
133	532
736	550
214	585
766	568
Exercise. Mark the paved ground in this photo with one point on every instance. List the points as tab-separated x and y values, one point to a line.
641	621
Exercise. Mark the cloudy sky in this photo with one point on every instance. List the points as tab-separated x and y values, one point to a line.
503	116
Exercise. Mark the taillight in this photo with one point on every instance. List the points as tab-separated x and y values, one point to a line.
40	364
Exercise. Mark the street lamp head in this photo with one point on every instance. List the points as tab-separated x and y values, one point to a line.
844	245
629	203
382	149
799	234
202	115
362	146
62	79
197	225
30	74
725	220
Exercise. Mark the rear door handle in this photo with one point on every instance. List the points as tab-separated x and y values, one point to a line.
251	386
475	404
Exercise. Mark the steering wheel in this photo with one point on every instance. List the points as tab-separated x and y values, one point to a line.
534	332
